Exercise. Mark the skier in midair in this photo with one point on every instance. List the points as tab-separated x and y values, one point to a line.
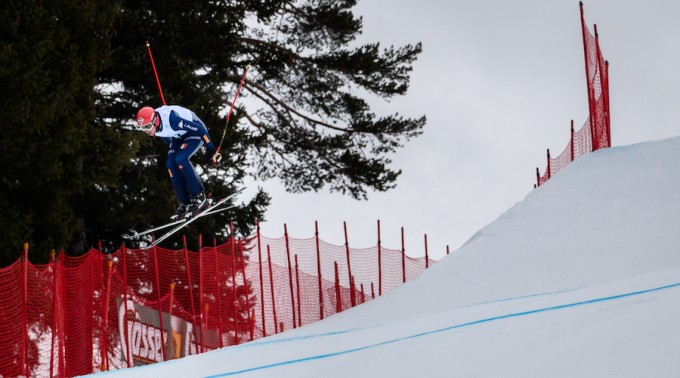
184	133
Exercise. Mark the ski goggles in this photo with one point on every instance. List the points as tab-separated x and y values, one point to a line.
150	125
146	127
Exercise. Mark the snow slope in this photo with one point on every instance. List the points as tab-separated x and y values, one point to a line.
580	279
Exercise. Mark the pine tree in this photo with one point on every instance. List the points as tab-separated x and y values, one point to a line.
52	153
315	130
73	75
302	118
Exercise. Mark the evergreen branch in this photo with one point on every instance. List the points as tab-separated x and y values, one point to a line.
288	108
275	46
268	130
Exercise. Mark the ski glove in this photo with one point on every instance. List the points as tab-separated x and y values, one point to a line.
215	157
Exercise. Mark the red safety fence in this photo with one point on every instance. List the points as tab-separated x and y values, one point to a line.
595	132
98	312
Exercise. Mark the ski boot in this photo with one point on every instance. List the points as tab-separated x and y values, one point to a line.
198	203
179	213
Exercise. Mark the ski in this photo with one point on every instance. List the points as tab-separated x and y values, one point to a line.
137	235
207	211
133	235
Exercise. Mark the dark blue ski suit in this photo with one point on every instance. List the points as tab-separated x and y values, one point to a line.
184	133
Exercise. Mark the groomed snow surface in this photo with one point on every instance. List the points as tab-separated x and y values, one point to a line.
580	279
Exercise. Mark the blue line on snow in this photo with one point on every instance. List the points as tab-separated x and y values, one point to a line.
267	341
418	335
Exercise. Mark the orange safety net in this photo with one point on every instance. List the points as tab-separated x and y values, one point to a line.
97	312
595	132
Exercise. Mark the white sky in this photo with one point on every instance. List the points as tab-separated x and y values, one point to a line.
499	82
580	279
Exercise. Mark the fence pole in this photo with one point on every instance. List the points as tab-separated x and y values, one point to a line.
172	298
128	358
54	311
62	326
245	288
158	299
548	169
297	283
591	113
572	140
201	315
218	300
259	255
200	275
372	291
363	295
24	268
604	87
447	249
349	268
290	275
596	124
206	311
538	179
233	280
379	261
403	257
104	348
318	268
427	256
191	292
252	324
607	113
352	288
91	334
338	298
593	125
271	288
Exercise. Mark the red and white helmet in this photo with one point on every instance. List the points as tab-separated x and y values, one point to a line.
147	118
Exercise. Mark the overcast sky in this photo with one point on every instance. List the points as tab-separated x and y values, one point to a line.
499	82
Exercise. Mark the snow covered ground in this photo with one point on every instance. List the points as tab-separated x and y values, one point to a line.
580	279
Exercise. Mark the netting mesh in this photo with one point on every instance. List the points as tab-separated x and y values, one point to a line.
12	338
595	132
96	312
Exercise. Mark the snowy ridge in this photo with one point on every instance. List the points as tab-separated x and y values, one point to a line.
425	333
581	278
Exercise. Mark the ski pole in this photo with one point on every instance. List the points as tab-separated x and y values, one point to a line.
232	107
153	65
